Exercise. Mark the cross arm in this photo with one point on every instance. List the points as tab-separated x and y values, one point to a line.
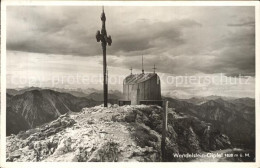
109	40
98	36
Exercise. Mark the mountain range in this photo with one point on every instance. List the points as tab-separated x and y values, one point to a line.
234	117
31	107
90	93
36	107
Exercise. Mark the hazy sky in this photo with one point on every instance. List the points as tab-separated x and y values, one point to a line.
47	44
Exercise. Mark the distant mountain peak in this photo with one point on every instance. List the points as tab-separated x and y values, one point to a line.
37	107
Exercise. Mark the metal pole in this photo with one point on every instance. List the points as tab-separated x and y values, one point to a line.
164	130
104	73
104	41
142	64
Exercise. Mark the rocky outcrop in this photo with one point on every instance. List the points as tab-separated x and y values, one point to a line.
186	134
114	134
233	117
36	144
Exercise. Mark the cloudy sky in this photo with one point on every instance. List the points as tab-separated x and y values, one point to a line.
54	46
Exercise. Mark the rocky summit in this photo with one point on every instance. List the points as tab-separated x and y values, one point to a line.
114	134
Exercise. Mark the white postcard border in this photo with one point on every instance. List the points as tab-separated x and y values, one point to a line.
124	164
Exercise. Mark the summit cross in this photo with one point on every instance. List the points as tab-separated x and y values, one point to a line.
104	41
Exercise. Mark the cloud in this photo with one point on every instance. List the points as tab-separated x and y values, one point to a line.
251	23
146	37
61	33
50	30
178	40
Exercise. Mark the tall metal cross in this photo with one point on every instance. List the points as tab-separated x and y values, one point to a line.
104	41
154	68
